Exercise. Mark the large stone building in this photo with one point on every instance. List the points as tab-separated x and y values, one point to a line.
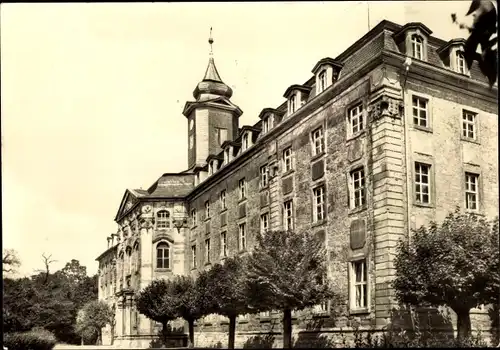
361	153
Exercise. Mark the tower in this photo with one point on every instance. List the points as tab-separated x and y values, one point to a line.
212	117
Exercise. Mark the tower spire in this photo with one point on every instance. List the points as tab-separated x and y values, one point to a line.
211	41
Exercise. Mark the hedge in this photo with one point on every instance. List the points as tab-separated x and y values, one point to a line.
40	339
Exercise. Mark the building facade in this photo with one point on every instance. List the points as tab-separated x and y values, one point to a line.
393	133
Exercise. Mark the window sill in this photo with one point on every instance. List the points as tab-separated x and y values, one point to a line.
158	269
265	320
468	139
193	227
194	268
359	311
357	209
207	263
423	128
242	200
207	219
356	135
317	156
223	210
289	172
319	223
264	188
423	205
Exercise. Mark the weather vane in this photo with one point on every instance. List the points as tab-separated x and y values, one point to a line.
211	41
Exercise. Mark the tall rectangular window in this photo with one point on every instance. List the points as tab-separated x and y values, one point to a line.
223	245
193	256
358	190
359	285
242	185
322	81
291	104
417	44
264	222
287	159
264	176
223	199
245	141
471	191
193	217
227	153
422	183
221	135
207	209
460	63
242	236
356	119
288	215
319	204
207	250
469	125
265	125
420	112
317	141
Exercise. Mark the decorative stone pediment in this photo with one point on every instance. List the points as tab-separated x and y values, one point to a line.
128	202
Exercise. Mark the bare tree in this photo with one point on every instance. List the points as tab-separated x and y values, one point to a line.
10	261
46	261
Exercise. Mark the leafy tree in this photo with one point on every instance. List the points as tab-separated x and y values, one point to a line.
157	302
94	316
190	301
19	310
74	272
227	285
10	261
455	264
288	270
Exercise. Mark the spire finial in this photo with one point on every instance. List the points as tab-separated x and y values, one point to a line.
211	41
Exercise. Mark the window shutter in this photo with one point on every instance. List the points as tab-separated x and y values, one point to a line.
318	170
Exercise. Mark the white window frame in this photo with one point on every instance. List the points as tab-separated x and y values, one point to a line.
460	62
422	171
318	141
356	119
264	222
207	209
207	250
264	176
223	244
244	141
417	46
323	80
242	188
223	200
319	204
288	215
163	222
471	191
227	153
467	124
242	236
265	125
193	256
292	104
359	290
358	188
287	159
417	109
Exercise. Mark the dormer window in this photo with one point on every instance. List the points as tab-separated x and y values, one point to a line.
267	124
291	104
227	153
460	62
210	168
322	81
417	47
245	143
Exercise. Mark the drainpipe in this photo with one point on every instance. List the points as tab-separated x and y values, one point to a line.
406	66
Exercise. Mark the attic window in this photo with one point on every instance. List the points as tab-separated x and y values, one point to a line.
417	46
267	123
226	155
322	81
291	104
460	62
245	141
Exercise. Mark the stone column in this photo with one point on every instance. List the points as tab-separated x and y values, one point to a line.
387	161
119	317
146	259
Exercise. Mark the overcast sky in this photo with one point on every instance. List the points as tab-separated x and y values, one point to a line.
92	97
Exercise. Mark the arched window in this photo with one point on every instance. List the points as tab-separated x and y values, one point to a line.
163	219
162	255
417	46
128	262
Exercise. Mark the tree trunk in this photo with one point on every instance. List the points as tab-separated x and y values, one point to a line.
287	329
99	336
164	333
232	331
191	332
463	324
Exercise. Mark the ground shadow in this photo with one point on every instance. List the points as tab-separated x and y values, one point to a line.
265	341
176	338
311	336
